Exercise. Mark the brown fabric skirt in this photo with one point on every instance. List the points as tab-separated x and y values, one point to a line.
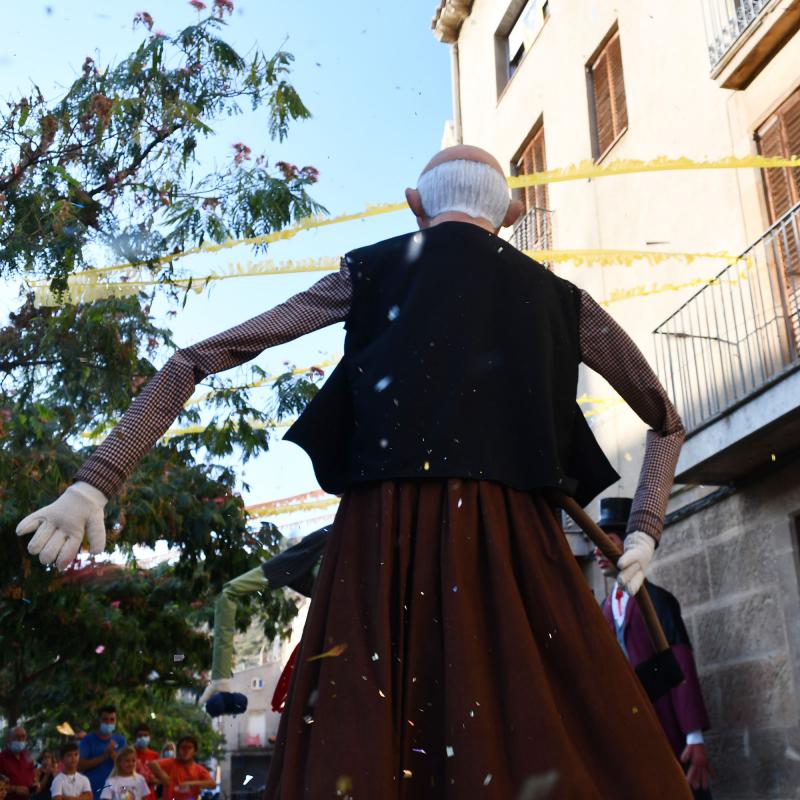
472	658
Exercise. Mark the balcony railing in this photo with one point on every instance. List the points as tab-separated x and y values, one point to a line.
534	231
726	21
740	333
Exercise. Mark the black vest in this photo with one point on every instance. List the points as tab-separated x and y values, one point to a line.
461	360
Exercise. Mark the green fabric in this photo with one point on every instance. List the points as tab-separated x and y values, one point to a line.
225	619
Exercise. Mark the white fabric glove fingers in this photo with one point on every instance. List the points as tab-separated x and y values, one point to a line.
631	579
68	552
41	537
627	558
31	522
50	551
96	533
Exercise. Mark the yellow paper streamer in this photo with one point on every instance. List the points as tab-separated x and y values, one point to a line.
88	286
628	166
582	170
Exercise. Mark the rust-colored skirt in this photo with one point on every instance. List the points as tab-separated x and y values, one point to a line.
453	650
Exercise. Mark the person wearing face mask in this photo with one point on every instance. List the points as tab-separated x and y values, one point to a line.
143	755
18	765
99	749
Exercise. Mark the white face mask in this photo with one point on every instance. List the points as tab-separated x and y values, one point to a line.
471	187
168	754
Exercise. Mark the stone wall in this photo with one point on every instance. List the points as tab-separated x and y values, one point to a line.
734	568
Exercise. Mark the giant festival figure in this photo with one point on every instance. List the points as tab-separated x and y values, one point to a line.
452	647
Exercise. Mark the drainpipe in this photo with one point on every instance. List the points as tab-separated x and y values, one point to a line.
456	78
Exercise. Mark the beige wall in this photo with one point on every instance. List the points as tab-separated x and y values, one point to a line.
674	109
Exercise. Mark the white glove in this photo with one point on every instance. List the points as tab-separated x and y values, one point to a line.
61	525
221	685
633	563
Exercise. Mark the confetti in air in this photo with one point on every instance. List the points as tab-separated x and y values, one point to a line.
450	751
101	648
247	779
336	650
383	383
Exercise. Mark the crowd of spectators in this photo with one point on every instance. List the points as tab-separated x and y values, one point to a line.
100	765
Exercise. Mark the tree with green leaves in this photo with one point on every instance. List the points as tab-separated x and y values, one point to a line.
114	164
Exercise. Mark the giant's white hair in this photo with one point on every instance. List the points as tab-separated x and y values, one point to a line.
471	187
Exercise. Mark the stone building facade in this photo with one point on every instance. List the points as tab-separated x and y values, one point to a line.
545	84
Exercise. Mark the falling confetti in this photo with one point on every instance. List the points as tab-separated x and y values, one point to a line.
247	779
774	457
65	729
383	383
488	779
426	466
460	502
384	443
375	656
336	650
152	715
101	648
450	751
407	773
344	784
419	750
635	710
394	313
381	693
308	719
455	588
178	657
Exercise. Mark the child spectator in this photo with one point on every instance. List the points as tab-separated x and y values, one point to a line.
70	783
124	782
4	782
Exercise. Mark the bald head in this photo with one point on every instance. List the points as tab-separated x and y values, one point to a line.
463	183
463	152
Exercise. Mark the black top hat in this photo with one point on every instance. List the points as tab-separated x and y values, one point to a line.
614	513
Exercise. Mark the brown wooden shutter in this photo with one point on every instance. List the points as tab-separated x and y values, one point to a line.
780	136
618	105
608	88
533	159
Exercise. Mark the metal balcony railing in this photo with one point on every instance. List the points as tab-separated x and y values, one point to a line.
726	21
738	334
534	231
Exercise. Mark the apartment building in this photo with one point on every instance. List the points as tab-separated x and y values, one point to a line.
545	84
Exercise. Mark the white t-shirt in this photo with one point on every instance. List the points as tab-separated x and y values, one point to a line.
70	785
133	787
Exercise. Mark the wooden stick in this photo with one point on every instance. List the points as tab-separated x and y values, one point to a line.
612	553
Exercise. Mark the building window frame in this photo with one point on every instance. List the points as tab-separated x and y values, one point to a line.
504	73
619	127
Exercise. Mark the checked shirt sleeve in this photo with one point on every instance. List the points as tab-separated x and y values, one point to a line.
608	350
155	409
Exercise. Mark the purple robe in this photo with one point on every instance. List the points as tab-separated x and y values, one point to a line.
683	709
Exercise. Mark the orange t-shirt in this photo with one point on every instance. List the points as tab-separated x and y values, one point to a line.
180	773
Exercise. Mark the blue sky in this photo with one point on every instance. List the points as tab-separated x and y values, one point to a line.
378	85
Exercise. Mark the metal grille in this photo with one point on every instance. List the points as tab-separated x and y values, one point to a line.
534	231
739	333
726	21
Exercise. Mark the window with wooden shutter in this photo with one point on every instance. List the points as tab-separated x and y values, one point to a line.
609	112
533	160
780	136
533	231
